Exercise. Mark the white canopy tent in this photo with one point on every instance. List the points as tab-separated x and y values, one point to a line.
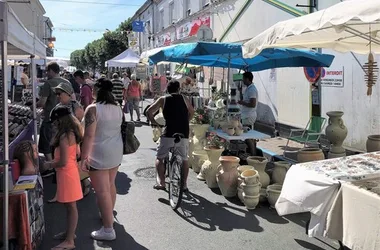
345	27
144	57
16	42
62	62
127	59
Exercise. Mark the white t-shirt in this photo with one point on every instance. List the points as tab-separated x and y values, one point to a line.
126	82
249	93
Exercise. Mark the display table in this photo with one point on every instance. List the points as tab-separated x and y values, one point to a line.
26	218
313	186
354	217
252	134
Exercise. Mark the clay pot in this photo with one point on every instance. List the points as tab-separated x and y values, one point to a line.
234	123
273	192
238	131
240	194
263	195
199	138
373	143
279	171
242	168
250	177
251	201
199	157
227	176
209	171
336	132
260	163
251	190
201	175
230	131
310	154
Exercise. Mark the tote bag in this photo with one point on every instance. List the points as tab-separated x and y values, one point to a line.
130	141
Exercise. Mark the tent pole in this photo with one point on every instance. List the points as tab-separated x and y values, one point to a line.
4	72
228	83
34	88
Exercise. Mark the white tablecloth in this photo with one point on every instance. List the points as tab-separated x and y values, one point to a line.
354	217
252	134
313	186
305	190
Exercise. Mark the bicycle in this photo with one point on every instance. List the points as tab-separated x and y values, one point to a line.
174	173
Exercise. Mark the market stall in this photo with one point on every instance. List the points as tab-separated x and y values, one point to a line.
329	189
127	59
16	41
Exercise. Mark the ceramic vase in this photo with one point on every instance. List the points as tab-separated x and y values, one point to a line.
373	143
230	131
191	147
240	194
227	176
279	171
310	154
198	141
273	192
260	163
210	170
263	195
336	132
199	158
251	202
201	175
251	189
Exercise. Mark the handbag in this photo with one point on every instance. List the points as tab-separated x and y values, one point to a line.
126	107
130	141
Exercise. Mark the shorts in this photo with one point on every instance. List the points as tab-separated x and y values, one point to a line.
166	143
44	142
249	121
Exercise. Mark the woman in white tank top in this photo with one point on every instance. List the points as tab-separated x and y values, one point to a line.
102	152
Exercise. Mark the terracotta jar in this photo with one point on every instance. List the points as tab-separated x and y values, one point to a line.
199	157
273	192
310	154
251	202
251	189
227	176
210	170
279	171
336	132
373	143
250	176
260	163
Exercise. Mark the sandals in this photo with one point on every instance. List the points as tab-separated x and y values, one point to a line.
159	187
59	247
61	236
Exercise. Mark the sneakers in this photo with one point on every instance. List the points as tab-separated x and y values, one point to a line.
101	234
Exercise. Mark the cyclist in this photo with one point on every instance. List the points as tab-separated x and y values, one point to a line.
177	112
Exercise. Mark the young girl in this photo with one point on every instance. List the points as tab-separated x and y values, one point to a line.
69	135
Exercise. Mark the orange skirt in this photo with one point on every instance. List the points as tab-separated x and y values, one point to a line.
69	188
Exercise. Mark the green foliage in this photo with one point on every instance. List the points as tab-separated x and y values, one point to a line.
96	53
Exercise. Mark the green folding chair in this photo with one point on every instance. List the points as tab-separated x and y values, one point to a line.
309	135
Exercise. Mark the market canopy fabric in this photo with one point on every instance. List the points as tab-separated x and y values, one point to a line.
144	57
127	59
227	55
344	27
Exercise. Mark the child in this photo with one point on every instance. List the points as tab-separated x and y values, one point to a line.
69	135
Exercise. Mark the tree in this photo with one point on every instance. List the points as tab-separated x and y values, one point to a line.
96	53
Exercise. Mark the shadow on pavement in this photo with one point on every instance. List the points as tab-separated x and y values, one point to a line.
308	245
89	220
123	183
209	216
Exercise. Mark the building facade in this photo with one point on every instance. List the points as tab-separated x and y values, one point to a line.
285	95
48	36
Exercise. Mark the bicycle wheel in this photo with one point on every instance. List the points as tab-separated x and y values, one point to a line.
176	182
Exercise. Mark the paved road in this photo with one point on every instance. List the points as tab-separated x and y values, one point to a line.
206	219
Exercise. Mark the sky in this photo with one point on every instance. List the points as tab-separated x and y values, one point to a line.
84	15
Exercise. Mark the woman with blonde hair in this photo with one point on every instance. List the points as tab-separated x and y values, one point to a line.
134	96
102	152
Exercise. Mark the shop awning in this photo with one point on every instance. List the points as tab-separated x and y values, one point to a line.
344	27
144	57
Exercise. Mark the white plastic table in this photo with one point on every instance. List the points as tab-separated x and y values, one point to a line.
252	134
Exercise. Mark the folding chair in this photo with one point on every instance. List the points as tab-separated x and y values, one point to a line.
310	135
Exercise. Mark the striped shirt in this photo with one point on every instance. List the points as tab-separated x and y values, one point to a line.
117	89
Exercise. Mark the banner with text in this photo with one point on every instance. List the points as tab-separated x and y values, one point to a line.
191	28
333	77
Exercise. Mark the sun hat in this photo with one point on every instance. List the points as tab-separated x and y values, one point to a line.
58	112
65	87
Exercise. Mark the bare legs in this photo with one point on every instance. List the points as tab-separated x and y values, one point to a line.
160	168
72	222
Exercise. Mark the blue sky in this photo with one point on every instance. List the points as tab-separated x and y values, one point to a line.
70	15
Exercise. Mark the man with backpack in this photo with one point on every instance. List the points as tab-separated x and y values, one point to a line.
85	89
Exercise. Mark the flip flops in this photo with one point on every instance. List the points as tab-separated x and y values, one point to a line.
61	236
159	187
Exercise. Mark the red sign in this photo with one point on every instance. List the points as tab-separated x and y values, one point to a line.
191	28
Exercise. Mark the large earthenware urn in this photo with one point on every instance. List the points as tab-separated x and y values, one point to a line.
191	146
336	132
210	170
373	143
310	154
198	141
260	163
279	171
199	158
227	176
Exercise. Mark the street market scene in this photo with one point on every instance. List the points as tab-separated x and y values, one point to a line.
190	124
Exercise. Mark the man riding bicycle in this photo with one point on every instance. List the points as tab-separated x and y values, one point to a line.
177	112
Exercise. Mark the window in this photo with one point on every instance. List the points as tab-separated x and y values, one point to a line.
186	8
171	12
161	27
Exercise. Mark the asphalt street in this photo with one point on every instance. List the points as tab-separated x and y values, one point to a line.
206	219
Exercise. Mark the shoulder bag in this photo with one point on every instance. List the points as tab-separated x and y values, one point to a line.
130	141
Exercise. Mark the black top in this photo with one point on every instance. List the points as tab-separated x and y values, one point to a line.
176	116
